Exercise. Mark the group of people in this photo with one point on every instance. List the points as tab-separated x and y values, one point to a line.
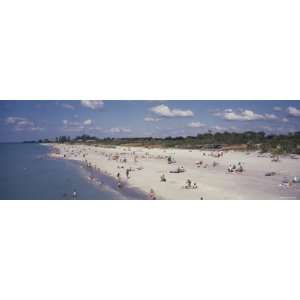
122	161
233	168
200	163
217	154
119	182
189	185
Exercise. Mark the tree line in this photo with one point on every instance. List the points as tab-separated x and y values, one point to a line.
282	143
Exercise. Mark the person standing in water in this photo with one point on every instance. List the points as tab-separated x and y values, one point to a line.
152	195
74	194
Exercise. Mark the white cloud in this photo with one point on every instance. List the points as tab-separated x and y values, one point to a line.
92	104
165	111
293	111
15	120
68	106
277	108
270	117
150	119
244	115
119	130
79	126
196	125
88	122
285	120
21	124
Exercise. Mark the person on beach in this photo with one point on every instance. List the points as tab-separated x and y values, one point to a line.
118	176
188	184
240	169
127	173
163	178
152	195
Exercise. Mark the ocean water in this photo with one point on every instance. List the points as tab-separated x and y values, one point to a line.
27	172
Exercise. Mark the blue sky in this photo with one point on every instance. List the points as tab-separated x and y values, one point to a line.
26	120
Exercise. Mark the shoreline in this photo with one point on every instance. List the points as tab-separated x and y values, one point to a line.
103	180
211	178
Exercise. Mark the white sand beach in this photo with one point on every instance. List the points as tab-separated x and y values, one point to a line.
208	172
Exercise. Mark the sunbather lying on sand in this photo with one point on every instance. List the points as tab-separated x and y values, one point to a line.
163	178
230	169
270	174
199	163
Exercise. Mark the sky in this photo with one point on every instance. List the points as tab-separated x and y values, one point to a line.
32	120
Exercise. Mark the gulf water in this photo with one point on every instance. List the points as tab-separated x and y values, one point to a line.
27	172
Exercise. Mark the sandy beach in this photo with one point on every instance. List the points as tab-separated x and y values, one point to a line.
207	171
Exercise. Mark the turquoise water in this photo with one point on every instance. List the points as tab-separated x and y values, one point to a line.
27	172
